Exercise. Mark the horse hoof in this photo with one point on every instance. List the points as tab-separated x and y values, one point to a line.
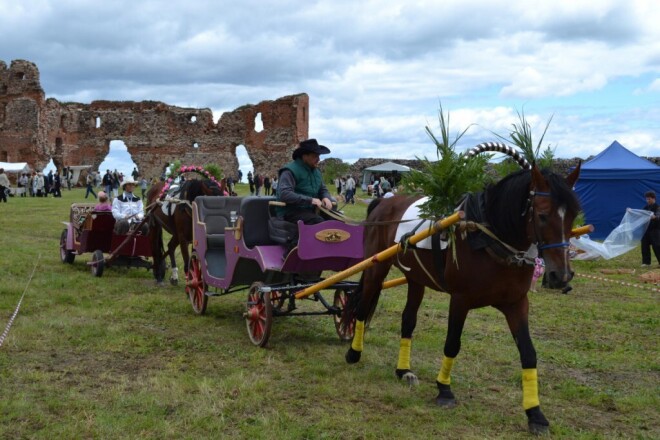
174	282
445	402
537	429
160	284
352	356
409	376
536	421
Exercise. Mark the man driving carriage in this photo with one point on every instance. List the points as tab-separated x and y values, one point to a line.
301	185
128	210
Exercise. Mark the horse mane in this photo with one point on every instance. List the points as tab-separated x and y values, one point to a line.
506	202
192	188
372	205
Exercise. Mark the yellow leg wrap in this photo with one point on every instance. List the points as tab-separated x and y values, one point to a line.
404	354
530	388
444	376
358	339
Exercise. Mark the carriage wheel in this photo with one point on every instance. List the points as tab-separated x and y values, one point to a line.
98	263
66	255
345	330
195	285
277	299
259	315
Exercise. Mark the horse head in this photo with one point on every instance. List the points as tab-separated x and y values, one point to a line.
553	207
204	187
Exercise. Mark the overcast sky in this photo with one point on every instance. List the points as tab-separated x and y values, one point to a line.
375	71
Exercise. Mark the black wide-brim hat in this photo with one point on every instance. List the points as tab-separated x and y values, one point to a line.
309	146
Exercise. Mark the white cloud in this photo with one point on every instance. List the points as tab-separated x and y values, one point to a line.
654	86
374	70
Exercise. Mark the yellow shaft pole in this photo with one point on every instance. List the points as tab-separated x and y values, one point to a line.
574	233
395	282
582	230
381	256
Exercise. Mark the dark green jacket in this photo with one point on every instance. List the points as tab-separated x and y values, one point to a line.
308	184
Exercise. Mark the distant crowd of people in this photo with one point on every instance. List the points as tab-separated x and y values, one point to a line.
36	184
257	182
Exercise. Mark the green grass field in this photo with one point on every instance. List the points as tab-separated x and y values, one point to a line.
118	357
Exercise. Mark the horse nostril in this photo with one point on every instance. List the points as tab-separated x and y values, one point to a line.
555	280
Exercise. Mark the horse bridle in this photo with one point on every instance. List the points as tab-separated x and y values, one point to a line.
539	241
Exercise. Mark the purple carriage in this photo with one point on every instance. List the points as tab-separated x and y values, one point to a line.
92	231
232	250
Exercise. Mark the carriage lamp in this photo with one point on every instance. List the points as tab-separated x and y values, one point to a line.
232	218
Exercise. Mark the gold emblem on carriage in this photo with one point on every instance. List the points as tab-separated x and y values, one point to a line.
332	235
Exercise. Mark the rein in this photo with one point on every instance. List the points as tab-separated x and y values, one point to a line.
515	257
344	219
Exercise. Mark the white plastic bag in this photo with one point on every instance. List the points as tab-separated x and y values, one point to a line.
622	239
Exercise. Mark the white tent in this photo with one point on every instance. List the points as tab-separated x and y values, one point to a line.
76	172
388	167
383	168
15	167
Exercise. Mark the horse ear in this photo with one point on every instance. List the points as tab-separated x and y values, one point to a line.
573	177
537	177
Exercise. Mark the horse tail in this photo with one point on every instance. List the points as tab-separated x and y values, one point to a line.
355	298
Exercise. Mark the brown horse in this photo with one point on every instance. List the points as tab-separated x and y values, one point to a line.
177	221
525	211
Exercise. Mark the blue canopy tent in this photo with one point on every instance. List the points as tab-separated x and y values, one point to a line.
612	181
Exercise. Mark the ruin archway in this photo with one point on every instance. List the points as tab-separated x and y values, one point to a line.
118	158
244	161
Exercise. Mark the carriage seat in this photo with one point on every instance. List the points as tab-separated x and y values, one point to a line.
214	211
255	213
79	212
100	221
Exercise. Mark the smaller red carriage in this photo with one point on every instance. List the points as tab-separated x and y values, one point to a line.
92	231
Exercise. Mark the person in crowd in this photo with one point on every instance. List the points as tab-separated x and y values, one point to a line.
31	178
68	176
651	238
24	182
104	203
143	186
337	183
38	185
273	186
375	189
116	183
258	183
89	182
350	190
135	173
57	184
267	185
4	185
387	192
107	182
48	182
301	185
250	182
230	185
128	209
240	176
